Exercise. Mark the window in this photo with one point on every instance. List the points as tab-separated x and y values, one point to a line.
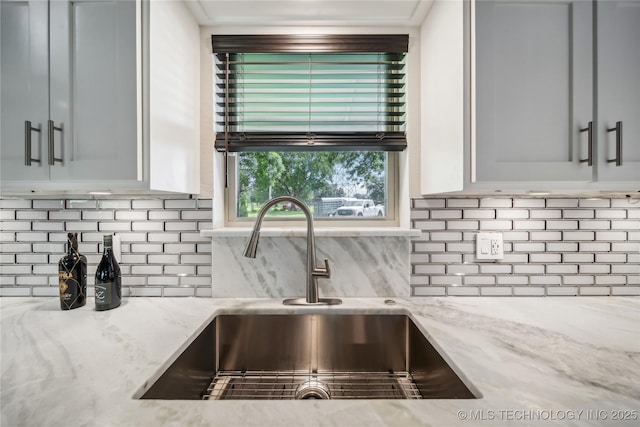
314	117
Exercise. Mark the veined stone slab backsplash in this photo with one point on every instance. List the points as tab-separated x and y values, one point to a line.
163	253
360	267
552	246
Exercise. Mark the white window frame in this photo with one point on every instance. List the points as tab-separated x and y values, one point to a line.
389	220
399	192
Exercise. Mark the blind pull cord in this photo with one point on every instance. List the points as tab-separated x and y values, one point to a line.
226	123
310	142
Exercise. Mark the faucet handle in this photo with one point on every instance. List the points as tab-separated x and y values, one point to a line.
323	272
327	268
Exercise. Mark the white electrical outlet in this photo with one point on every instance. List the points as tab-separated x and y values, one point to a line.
496	246
489	246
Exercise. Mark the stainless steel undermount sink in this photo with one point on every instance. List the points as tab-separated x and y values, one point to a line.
309	356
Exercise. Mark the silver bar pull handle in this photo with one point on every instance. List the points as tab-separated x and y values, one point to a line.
27	143
589	130
52	128
618	131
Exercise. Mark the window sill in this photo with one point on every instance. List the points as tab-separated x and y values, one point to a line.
319	232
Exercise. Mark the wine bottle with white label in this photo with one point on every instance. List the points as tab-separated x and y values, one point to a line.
72	276
108	279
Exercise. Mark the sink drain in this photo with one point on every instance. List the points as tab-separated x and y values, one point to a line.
313	389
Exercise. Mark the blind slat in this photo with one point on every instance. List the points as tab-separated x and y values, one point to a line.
331	43
321	141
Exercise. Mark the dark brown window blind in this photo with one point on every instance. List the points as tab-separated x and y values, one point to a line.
310	92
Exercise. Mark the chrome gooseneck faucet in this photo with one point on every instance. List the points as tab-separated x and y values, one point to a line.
313	272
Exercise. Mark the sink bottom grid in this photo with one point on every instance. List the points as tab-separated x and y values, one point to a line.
273	385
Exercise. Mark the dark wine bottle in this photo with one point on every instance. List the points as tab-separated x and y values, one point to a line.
108	280
72	276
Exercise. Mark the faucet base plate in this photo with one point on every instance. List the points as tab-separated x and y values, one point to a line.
303	301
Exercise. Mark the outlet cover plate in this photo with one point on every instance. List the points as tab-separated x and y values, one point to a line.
489	246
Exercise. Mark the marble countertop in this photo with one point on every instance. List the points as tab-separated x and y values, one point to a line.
536	361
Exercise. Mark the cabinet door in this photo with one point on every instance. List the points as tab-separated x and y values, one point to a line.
534	88
93	90
24	89
618	39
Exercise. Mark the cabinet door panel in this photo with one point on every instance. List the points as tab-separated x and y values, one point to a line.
24	89
534	90
618	35
93	89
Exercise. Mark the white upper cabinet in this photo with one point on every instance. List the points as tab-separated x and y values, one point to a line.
79	72
92	91
24	91
544	85
75	84
618	68
533	90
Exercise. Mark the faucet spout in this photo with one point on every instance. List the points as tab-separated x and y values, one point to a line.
252	244
313	271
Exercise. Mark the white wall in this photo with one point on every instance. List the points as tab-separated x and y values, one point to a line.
212	176
174	97
442	98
